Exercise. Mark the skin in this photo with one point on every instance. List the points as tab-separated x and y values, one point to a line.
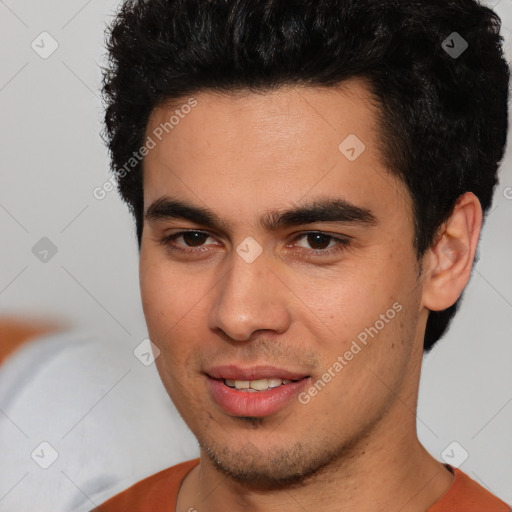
354	445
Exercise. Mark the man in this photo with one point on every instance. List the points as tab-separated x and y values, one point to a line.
309	182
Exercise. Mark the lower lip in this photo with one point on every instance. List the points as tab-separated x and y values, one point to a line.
256	404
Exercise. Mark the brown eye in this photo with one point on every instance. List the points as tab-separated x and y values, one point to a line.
318	239
191	239
194	238
320	243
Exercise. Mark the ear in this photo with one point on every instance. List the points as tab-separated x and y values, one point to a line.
447	265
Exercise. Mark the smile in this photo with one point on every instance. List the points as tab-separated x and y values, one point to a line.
254	392
256	385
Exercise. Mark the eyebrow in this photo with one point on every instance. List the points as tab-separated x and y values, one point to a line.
323	209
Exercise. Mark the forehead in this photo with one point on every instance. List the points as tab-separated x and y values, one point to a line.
266	147
269	118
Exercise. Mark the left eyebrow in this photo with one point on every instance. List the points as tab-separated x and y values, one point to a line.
323	209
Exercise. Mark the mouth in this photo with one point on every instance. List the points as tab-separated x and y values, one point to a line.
255	386
254	373
254	392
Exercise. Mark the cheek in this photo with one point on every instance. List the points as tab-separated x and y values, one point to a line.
371	313
350	301
172	308
375	357
167	295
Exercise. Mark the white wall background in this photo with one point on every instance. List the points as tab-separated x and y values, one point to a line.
52	157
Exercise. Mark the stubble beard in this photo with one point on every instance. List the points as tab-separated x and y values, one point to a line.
286	468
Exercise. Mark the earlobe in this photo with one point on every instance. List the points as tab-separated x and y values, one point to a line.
450	260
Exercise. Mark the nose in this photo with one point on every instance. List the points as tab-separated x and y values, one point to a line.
250	297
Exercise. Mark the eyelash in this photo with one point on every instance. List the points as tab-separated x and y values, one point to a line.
342	244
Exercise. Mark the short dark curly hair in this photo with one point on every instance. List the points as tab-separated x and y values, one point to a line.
442	118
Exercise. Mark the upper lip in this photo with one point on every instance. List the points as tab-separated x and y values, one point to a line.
234	372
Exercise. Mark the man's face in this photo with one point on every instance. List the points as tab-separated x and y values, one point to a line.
245	301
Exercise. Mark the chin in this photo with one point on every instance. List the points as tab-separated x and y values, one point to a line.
254	469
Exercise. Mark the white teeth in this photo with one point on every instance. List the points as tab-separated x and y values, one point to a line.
274	383
259	385
256	385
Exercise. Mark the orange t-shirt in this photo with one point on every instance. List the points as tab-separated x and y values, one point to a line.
158	493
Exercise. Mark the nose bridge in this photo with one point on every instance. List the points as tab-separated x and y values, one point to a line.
249	297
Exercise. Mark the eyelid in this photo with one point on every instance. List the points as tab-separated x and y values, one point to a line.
335	236
342	243
167	238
